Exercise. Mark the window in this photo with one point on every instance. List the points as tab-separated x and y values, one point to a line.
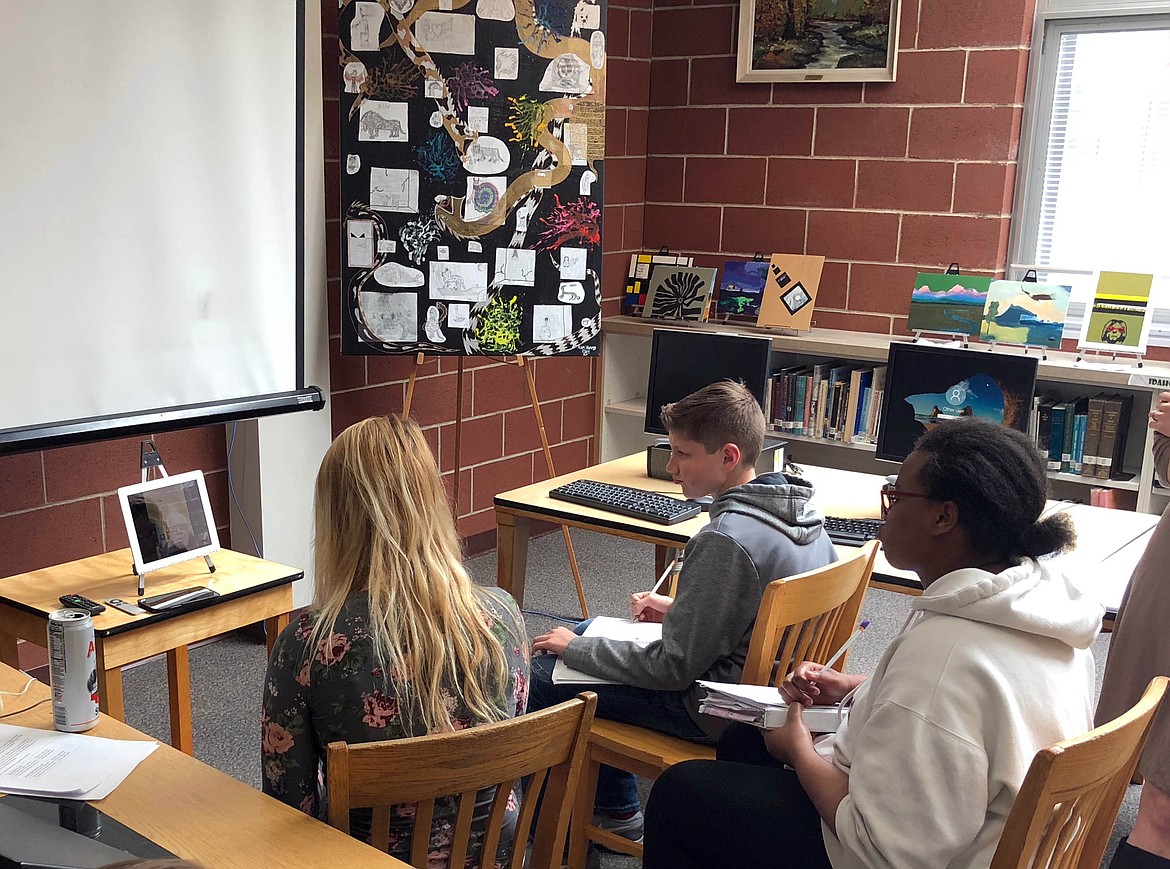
1094	179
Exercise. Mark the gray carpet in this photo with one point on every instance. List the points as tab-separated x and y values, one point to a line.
227	676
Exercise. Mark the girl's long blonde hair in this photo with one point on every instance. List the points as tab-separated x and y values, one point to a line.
383	527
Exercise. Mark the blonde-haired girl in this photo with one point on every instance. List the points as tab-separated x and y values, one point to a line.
398	641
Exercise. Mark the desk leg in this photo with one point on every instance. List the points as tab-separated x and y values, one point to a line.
272	629
109	688
661	554
8	653
512	553
179	680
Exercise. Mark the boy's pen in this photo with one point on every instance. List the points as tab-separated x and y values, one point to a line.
845	645
674	567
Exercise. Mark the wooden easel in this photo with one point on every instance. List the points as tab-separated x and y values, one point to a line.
528	368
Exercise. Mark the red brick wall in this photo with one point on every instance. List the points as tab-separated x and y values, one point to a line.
500	444
60	505
883	179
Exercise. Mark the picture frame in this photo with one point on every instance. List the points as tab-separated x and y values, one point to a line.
168	521
808	40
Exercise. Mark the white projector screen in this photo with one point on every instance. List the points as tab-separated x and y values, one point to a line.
151	264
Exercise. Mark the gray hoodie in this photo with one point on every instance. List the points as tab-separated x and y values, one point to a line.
763	530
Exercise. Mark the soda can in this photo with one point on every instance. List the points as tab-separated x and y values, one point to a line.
73	670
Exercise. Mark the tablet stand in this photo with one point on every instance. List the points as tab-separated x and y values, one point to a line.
148	458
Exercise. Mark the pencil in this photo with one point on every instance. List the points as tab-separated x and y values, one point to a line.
674	565
845	645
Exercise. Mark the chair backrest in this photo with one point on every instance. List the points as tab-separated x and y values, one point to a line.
807	617
548	745
1068	803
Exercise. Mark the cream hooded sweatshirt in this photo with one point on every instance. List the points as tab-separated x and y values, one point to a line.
989	669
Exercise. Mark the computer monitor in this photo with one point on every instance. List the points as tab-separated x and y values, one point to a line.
926	385
682	362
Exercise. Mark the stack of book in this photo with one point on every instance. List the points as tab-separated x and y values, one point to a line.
1083	436
763	706
835	402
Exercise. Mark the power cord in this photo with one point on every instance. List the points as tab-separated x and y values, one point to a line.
235	500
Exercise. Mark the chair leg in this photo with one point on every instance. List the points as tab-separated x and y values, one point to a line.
583	814
1129	857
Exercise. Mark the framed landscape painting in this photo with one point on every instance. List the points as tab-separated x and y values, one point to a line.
817	40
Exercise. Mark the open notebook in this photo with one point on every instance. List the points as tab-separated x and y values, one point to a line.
763	706
642	633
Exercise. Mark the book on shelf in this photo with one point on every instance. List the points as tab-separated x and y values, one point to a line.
1115	499
1114	429
1075	411
1092	436
764	707
1057	423
1044	421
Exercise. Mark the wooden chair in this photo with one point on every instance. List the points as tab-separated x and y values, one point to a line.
1068	803
548	745
801	618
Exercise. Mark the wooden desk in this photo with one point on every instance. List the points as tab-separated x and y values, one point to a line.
251	590
1110	541
199	813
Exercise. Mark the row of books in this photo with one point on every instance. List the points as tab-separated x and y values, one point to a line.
828	400
1084	436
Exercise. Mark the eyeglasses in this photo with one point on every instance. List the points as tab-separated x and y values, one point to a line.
890	497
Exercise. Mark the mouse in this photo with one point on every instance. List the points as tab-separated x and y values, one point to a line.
704	502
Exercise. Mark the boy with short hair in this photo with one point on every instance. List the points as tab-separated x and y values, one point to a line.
762	528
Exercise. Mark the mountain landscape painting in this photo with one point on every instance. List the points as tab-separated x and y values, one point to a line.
948	303
1025	313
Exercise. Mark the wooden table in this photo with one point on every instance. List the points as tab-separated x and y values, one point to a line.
1110	541
251	590
199	813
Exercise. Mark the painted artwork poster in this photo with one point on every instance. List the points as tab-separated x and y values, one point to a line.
948	303
790	291
742	289
472	145
638	276
678	293
1022	312
1119	317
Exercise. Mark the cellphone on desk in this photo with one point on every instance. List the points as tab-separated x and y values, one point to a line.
170	600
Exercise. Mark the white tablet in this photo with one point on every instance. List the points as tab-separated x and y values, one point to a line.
168	520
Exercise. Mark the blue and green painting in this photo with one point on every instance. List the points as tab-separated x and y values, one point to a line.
948	303
1025	313
742	288
978	395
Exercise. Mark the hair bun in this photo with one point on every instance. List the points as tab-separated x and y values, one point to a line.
1050	536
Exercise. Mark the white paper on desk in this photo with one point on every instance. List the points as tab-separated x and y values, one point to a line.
642	633
47	763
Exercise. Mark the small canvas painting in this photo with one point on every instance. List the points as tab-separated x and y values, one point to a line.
742	289
1119	317
1019	312
638	277
948	303
679	293
790	291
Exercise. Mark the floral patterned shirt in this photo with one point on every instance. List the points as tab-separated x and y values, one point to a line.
337	692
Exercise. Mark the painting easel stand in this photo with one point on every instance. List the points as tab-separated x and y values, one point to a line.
1112	354
528	369
1027	347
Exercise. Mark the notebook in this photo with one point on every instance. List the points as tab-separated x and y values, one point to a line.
763	706
642	633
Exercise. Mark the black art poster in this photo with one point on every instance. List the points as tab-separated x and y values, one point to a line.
472	138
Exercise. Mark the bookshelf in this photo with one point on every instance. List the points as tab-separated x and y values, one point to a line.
626	365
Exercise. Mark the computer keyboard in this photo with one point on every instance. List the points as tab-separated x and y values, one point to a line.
852	532
640	504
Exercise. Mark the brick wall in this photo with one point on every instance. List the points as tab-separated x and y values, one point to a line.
500	444
60	505
884	179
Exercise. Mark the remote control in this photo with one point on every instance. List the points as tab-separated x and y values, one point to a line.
76	601
128	608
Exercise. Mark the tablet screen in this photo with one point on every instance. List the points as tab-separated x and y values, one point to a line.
169	520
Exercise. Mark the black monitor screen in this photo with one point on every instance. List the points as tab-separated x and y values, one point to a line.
683	362
927	385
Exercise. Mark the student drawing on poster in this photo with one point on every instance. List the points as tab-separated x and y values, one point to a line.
1027	313
431	326
446	32
551	323
354	75
365	29
459	282
507	64
483	194
515	266
597	49
432	88
573	264
353	163
577	141
495	10
566	74
586	16
382	121
360	234
394	190
390	317
459	316
1119	317
487	155
572	292
477	118
394	274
